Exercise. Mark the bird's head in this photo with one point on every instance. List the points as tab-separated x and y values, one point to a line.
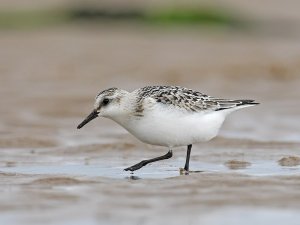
107	104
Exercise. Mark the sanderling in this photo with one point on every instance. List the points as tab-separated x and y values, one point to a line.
168	116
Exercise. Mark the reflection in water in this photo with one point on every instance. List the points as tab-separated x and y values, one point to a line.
133	178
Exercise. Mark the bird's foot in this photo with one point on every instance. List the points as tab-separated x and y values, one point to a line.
137	166
183	171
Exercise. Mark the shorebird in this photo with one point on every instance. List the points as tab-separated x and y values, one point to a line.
169	116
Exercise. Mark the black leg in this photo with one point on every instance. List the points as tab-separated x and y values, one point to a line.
145	162
188	154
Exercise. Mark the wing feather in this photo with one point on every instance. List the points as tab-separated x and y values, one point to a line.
188	99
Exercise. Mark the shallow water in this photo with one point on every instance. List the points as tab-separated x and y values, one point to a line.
259	168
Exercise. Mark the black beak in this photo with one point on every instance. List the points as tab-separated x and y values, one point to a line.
93	115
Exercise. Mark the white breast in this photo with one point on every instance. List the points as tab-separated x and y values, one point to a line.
167	126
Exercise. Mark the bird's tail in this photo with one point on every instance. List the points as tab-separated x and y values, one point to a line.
246	102
235	104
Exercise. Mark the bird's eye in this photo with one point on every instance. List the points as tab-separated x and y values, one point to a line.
105	101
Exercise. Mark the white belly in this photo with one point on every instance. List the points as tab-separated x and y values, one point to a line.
171	128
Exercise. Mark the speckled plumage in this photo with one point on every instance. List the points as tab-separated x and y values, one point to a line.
185	99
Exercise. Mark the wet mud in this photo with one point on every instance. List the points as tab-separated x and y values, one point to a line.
52	173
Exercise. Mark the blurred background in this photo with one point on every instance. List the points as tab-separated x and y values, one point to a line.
56	55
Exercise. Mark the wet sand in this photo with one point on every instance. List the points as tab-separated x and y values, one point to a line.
52	173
